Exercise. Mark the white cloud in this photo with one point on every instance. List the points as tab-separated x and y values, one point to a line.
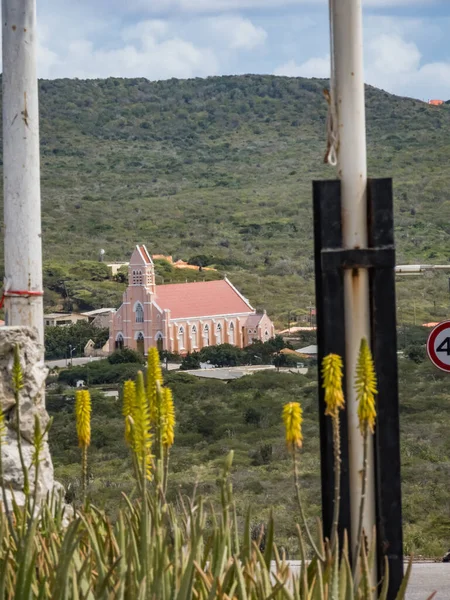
313	67
143	53
237	32
392	63
392	55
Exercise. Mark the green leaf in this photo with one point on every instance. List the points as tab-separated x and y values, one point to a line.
402	591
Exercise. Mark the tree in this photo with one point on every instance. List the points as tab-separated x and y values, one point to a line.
416	352
59	340
190	361
126	355
223	355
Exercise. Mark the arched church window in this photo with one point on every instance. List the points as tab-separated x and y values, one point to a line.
140	342
139	277
134	278
119	342
206	335
181	338
139	313
218	333
159	341
231	333
266	335
194	337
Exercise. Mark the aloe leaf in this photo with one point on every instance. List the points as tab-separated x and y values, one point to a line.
402	591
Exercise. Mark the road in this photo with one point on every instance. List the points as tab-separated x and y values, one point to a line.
426	577
51	364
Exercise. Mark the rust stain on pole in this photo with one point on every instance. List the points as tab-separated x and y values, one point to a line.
25	111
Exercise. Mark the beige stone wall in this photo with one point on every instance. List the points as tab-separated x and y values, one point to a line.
31	405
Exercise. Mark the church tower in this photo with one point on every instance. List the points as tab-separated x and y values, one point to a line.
141	270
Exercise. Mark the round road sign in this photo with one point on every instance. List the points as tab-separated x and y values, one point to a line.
438	346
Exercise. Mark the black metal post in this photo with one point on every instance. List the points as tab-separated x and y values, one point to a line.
330	262
330	339
384	348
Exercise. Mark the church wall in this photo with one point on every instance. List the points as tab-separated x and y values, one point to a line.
209	331
140	318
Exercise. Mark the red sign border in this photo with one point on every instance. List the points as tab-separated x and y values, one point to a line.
430	346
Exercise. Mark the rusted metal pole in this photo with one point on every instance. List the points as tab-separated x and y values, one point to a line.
348	99
22	195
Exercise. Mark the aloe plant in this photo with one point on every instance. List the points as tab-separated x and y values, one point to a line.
157	551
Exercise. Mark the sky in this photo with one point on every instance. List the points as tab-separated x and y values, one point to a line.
406	42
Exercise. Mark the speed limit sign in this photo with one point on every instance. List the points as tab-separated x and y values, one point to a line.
438	346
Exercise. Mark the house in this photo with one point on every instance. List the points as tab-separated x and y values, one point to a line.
115	267
57	319
182	317
99	317
90	349
308	351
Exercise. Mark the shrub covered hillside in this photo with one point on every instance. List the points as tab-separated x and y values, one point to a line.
222	167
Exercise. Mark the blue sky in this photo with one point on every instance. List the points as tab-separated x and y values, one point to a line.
407	47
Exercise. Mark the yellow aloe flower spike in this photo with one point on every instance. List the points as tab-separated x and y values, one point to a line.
292	418
83	417
366	388
167	418
128	408
2	427
332	383
154	375
142	435
17	374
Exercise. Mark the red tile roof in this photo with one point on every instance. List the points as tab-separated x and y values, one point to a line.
145	254
200	299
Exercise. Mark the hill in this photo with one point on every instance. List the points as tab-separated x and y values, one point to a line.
223	167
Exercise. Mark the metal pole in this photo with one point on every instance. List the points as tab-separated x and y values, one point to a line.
22	197
348	97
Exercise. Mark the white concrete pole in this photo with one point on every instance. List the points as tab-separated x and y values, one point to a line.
22	196
348	95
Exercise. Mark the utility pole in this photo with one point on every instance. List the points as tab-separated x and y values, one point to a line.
347	98
21	174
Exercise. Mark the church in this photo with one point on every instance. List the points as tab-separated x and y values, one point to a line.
182	317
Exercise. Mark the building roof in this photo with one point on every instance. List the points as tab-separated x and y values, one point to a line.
145	254
253	320
57	315
98	311
201	299
308	350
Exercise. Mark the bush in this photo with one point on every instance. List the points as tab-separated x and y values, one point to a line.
99	372
126	355
223	355
416	353
262	455
252	416
190	361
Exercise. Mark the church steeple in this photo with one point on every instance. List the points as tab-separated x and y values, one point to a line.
141	270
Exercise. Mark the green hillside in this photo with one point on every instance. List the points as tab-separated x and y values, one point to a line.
223	167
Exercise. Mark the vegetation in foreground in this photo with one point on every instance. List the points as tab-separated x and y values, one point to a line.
158	550
243	415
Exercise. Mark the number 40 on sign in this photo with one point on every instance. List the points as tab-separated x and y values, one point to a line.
438	346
